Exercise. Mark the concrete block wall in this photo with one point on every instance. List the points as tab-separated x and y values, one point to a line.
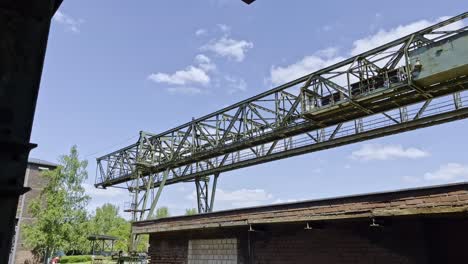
213	251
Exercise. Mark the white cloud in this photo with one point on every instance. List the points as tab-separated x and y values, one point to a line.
202	59
200	32
281	201
224	28
448	172
103	193
330	52
387	152
411	179
316	170
185	90
385	36
280	75
329	56
243	197
191	74
327	28
228	47
238	198
235	84
71	24
205	63
99	197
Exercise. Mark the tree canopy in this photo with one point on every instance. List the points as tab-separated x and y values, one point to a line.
107	221
162	212
61	221
60	210
191	211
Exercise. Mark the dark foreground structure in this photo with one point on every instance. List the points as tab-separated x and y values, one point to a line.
33	180
24	30
424	225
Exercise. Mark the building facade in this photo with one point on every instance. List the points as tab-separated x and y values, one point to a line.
424	225
20	254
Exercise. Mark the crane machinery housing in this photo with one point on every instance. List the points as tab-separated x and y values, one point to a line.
416	81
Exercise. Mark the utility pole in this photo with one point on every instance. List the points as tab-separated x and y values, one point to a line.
24	29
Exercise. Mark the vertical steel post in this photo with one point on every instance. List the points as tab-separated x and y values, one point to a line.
213	191
205	200
457	100
158	194
201	184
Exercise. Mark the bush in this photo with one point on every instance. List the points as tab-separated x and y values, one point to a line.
75	259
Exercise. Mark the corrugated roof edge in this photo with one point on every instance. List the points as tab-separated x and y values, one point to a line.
325	199
42	162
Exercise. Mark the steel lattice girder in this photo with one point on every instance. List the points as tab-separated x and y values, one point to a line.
271	125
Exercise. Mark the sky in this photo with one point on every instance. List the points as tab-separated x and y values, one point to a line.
114	68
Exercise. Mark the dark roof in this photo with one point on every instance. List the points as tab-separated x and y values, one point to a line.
102	237
42	162
325	200
398	202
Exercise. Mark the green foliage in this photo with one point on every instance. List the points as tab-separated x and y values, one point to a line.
191	211
75	259
162	212
61	218
62	222
143	243
107	221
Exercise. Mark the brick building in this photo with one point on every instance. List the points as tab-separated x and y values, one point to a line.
20	253
423	225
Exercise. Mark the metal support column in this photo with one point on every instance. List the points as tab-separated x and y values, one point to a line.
457	100
204	200
24	29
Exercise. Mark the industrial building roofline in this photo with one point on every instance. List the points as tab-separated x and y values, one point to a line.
42	163
438	199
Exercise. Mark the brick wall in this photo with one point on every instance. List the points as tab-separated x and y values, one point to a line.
213	251
402	240
36	182
168	251
419	226
359	244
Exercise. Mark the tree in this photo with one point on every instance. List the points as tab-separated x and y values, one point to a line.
107	221
60	215
162	212
191	211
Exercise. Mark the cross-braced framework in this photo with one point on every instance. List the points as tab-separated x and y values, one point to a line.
381	92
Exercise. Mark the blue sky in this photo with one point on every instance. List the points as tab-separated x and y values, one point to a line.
114	68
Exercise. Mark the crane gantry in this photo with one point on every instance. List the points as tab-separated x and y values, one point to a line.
416	81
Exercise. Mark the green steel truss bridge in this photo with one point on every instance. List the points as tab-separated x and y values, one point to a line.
417	81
